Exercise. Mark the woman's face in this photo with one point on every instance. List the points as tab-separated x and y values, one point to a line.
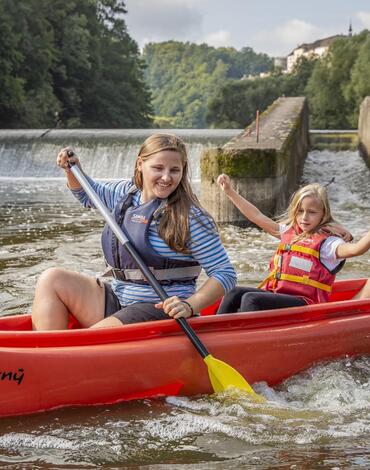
309	214
162	173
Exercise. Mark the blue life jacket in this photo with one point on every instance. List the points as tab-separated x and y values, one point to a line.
135	223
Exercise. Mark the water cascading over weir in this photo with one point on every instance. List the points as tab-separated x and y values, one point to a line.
104	153
265	170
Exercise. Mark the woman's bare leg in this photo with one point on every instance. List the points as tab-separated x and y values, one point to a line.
107	323
60	292
364	292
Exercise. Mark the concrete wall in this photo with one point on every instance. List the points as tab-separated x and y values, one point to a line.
364	130
265	172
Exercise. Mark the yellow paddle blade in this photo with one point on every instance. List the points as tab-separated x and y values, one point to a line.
223	376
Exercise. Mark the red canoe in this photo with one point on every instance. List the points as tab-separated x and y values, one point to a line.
45	370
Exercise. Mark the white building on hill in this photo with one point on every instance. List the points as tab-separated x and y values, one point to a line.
314	49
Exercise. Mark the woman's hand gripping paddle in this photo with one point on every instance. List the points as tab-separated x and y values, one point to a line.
222	376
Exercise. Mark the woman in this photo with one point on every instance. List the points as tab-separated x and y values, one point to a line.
164	221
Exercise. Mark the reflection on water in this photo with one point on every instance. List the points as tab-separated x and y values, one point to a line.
316	420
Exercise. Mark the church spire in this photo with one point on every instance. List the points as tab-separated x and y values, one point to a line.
350	29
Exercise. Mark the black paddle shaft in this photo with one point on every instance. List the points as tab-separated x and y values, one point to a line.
149	276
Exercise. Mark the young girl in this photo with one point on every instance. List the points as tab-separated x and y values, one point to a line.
166	224
303	269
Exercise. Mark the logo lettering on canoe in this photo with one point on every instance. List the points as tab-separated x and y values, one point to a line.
12	376
139	219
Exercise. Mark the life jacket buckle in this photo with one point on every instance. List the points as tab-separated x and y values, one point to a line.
118	274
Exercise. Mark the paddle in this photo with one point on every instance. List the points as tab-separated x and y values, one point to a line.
222	376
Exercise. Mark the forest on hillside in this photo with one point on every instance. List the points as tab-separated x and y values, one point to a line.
184	77
72	64
334	86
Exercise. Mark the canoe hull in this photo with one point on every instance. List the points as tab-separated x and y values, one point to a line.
45	370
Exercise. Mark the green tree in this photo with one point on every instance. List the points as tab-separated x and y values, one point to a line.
331	106
70	21
295	83
34	54
184	77
71	61
12	95
358	86
237	101
334	85
118	96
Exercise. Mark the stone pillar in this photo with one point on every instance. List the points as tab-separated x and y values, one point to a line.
265	172
364	130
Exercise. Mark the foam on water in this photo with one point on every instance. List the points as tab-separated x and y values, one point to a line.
325	406
348	193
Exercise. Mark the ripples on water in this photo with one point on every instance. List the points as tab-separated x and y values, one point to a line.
318	419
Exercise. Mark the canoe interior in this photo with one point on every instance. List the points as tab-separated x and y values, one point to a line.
16	330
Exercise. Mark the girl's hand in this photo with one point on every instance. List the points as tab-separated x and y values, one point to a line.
345	234
175	307
337	231
64	159
224	182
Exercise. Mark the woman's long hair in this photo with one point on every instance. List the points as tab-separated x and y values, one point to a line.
174	222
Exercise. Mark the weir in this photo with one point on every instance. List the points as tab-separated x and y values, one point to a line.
334	140
266	169
105	154
364	130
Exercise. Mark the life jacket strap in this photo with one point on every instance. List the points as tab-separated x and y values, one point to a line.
277	276
306	281
266	280
299	249
171	274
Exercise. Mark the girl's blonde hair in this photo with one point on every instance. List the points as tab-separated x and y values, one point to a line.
174	222
316	191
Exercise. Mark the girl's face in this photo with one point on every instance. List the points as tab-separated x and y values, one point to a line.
309	214
162	173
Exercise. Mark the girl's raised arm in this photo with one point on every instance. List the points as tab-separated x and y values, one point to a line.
348	250
250	211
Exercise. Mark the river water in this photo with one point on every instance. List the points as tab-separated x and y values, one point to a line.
319	419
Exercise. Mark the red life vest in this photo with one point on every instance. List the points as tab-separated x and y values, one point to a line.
296	269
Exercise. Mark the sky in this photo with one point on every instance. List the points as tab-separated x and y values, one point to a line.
274	27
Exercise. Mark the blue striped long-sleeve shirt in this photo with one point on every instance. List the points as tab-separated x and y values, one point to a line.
205	247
